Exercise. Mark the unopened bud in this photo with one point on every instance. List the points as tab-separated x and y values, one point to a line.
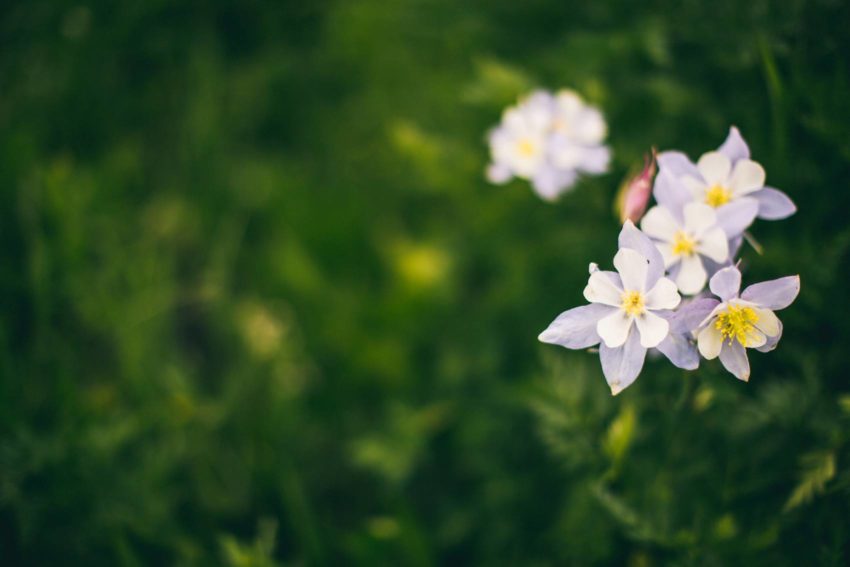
635	191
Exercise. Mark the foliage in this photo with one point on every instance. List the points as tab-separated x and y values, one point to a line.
261	307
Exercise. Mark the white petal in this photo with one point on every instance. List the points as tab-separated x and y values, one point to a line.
549	182
653	329
666	250
665	295
768	322
748	176
714	245
631	237
595	159
600	289
498	173
714	167
699	217
589	127
526	165
755	339
659	223
692	275
569	102
695	186
633	268
565	153
513	119
614	329
709	341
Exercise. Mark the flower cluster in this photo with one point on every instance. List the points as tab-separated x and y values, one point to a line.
548	139
689	238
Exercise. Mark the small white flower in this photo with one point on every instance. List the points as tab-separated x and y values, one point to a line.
741	320
729	181
548	140
720	183
686	241
633	302
578	131
519	144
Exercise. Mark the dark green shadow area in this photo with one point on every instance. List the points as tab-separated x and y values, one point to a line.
258	305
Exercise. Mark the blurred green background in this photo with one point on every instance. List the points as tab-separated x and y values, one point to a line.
259	306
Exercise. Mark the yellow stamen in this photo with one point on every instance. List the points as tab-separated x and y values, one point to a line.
633	302
717	195
737	323
526	148
683	244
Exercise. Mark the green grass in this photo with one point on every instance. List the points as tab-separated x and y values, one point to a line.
260	307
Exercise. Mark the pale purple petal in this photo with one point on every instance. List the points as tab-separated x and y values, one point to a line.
671	194
734	147
549	182
773	294
576	328
733	356
712	267
689	316
498	173
726	283
771	341
680	350
774	204
735	217
622	365
673	271
677	164
595	159
735	246
632	237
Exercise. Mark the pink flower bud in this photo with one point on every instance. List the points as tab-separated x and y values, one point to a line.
635	191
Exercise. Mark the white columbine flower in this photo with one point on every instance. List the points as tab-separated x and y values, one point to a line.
627	313
519	144
736	323
728	180
633	303
578	132
548	140
685	239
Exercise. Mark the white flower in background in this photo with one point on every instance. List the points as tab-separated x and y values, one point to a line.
578	131
727	179
518	145
549	140
685	240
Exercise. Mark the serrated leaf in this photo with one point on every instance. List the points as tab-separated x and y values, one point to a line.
818	469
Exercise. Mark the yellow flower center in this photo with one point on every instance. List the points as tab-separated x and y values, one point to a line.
633	302
737	324
717	195
683	244
526	148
